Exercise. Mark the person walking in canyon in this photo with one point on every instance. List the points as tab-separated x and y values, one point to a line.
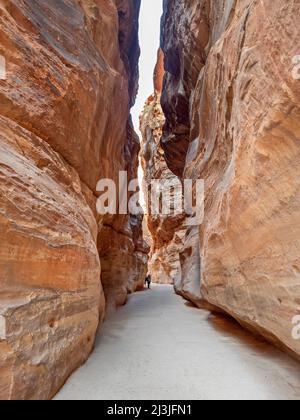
148	281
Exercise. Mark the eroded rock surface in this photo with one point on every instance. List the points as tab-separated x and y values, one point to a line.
164	264
231	101
165	233
71	75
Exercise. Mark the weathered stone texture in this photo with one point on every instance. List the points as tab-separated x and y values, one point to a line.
231	94
71	77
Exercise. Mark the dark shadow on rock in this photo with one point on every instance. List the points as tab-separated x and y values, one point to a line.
230	327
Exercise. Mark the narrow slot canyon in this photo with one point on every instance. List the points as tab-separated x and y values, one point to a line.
200	97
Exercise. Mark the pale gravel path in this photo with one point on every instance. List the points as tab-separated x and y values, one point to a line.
158	347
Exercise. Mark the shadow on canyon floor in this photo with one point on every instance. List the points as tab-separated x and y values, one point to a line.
231	328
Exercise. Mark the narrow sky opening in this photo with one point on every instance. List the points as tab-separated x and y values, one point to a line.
151	11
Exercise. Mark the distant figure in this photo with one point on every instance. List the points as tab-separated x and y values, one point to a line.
148	281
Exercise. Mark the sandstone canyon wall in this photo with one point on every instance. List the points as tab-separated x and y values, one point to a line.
231	102
165	233
64	116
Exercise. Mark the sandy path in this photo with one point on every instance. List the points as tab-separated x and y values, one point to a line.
158	347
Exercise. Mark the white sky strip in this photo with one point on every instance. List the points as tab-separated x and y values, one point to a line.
151	11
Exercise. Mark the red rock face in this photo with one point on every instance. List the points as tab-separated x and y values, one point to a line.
166	232
122	250
231	94
184	36
164	264
71	74
159	72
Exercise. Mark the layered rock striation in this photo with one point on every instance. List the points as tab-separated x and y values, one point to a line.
231	100
71	76
166	237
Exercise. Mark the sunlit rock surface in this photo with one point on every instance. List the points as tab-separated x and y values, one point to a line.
231	93
71	76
